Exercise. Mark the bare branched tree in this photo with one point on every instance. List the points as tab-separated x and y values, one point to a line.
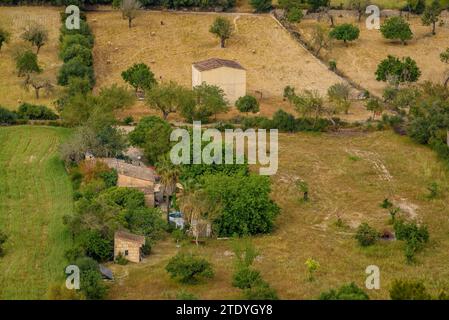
130	10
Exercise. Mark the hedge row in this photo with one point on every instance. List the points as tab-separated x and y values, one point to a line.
76	51
26	112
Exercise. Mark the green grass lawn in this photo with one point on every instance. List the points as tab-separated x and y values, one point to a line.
35	193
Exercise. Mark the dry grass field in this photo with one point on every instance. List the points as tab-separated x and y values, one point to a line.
15	19
272	58
359	60
349	176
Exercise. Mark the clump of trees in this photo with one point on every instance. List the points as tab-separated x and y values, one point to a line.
396	28
397	71
345	32
223	29
35	112
188	268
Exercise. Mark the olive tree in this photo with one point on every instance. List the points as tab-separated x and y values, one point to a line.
397	70
396	28
168	98
26	64
346	32
359	6
431	15
130	10
223	29
36	34
139	76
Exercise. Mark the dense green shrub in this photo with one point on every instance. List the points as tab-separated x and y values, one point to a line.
246	206
75	67
346	292
128	198
247	104
76	50
408	290
7	117
75	39
91	285
262	291
97	246
147	222
187	268
35	112
246	277
261	5
366	235
415	237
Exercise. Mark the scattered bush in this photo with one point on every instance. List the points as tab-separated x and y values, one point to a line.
262	291
247	104
346	292
187	268
312	267
366	235
7	117
184	295
415	237
408	290
246	277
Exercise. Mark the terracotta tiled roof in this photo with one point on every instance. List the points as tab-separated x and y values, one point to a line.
214	63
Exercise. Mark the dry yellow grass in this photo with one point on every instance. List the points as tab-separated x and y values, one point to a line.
15	19
349	176
170	50
360	59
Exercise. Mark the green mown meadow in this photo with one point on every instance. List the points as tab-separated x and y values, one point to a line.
35	192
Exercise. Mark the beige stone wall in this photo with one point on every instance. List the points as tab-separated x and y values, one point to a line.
121	245
232	81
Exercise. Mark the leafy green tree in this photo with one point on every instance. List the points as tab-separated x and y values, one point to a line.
35	112
398	70
187	268
139	76
345	292
294	15
91	285
146	221
346	32
168	97
431	15
208	100
140	135
415	237
245	204
261	5
36	34
5	36
223	29
408	290
26	64
309	103
247	104
396	28
75	39
366	235
97	246
416	6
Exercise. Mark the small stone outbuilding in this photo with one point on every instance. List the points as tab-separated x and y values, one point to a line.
229	75
129	246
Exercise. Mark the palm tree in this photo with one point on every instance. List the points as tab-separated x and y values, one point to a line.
169	174
196	206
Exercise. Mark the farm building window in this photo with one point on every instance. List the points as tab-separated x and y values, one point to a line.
126	253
